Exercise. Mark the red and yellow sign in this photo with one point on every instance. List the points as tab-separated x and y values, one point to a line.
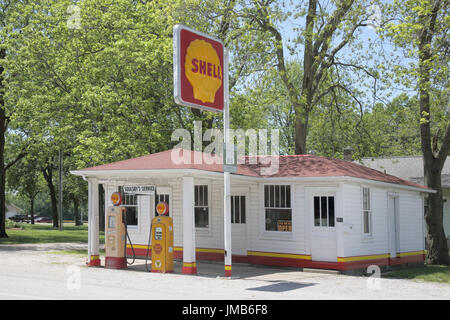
162	208
198	70
116	198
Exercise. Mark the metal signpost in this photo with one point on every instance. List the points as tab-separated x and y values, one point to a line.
201	81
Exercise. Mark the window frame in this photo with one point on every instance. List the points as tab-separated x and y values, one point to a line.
137	206
204	230
244	206
367	211
327	196
285	207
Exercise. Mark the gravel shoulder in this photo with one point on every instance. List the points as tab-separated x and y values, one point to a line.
37	271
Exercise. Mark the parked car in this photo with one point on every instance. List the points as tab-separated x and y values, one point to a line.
18	218
43	219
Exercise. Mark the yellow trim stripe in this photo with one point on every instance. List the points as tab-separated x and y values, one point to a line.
361	258
411	253
189	264
227	268
138	246
279	255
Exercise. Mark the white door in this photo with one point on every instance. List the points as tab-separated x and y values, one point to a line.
393	225
239	224
323	228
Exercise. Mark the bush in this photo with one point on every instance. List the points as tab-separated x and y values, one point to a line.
9	224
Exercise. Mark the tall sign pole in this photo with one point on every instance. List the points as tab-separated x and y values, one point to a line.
201	81
226	173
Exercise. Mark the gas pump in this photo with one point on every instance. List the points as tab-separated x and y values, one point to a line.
116	234
162	240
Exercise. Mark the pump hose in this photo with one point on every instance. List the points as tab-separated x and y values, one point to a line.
132	249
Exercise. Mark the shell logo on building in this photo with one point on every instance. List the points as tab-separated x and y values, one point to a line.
202	68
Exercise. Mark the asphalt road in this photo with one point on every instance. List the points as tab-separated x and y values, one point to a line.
36	272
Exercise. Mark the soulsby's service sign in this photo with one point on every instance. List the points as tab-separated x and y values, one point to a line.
198	70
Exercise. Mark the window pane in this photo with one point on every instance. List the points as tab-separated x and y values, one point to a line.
232	209
331	211
205	195
243	209
236	209
283	196
288	196
323	211
278	220
317	211
366	222
131	216
277	196
196	195
201	217
266	196
272	196
366	199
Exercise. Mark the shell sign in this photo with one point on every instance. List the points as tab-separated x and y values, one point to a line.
199	71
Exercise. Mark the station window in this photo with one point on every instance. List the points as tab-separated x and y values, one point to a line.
238	209
277	206
201	208
130	201
367	212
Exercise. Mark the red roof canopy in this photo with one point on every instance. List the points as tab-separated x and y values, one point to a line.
288	166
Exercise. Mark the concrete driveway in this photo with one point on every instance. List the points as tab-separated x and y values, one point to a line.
37	271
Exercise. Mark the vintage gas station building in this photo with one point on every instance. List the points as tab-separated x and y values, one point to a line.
313	212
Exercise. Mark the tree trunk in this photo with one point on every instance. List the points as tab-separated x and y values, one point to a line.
437	248
301	132
433	160
32	210
76	211
48	175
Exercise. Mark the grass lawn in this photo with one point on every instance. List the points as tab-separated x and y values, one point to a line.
45	233
438	273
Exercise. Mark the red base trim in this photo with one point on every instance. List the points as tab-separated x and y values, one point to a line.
289	262
189	268
407	259
115	263
94	261
227	271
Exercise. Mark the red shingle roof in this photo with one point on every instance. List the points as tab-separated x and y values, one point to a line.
288	166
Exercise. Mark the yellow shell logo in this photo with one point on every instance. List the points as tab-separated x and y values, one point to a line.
202	69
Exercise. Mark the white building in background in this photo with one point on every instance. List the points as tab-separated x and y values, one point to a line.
12	210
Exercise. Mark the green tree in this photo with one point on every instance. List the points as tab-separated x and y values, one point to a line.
327	29
25	178
419	28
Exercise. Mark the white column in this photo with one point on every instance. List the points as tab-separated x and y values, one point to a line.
189	263
93	226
